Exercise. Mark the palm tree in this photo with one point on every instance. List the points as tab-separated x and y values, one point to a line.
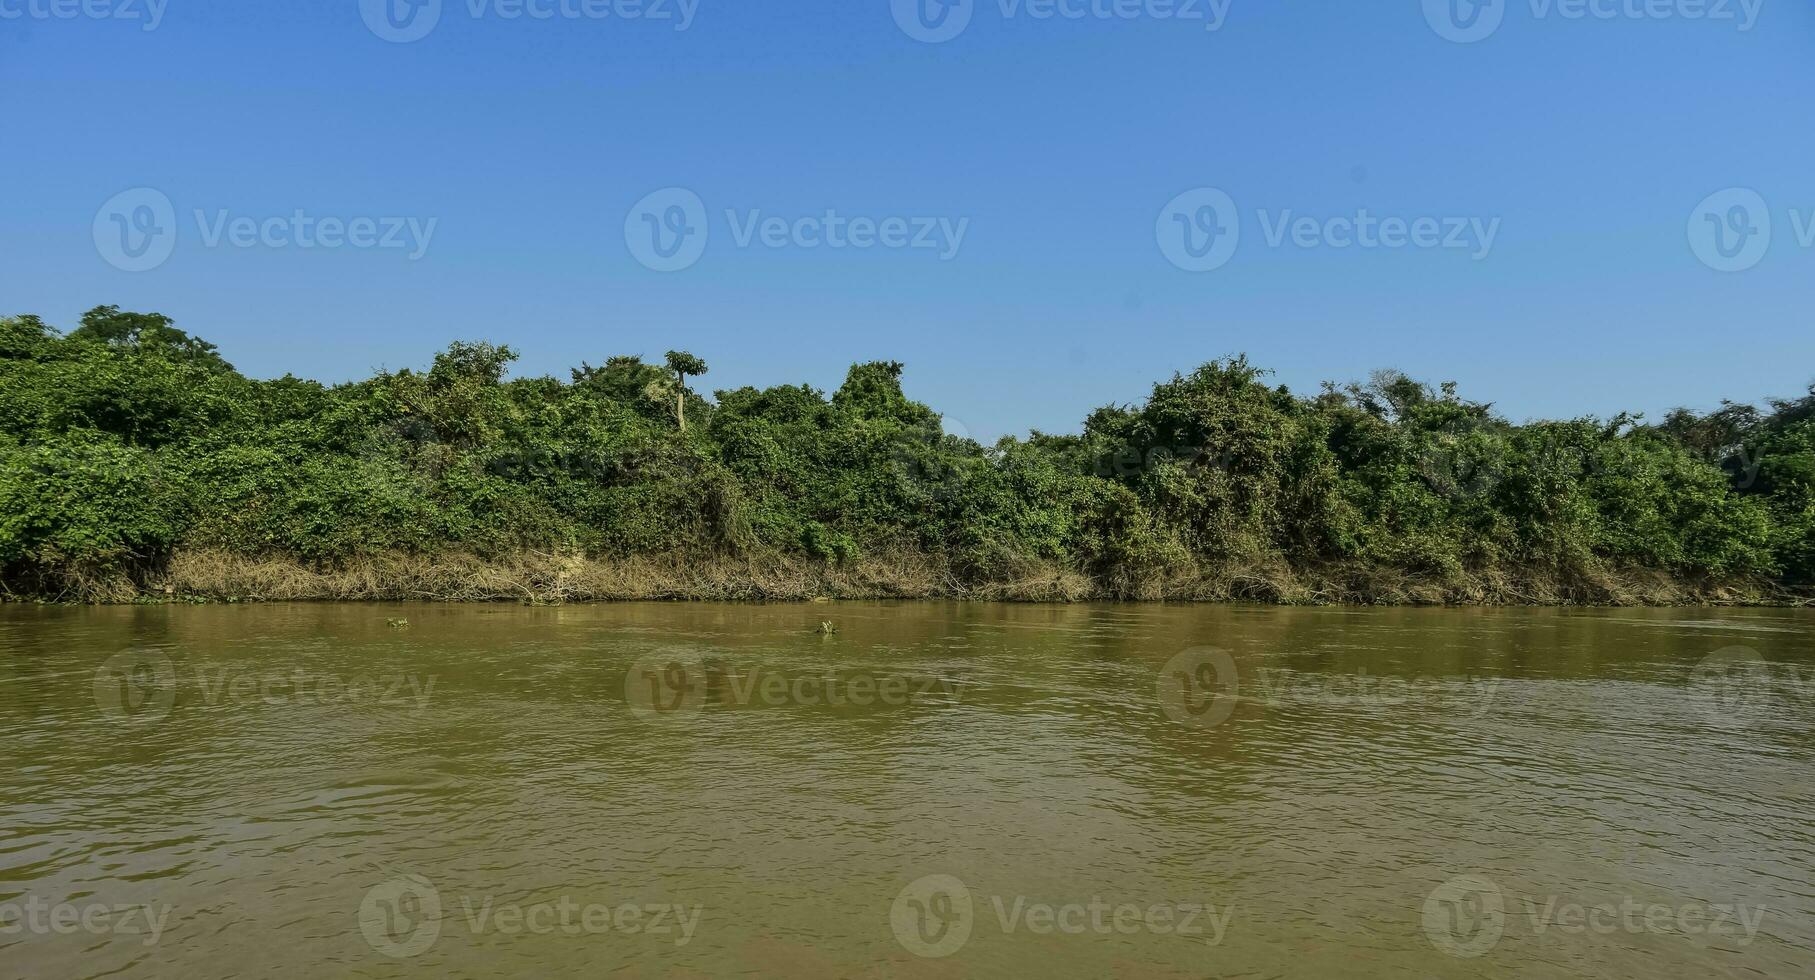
683	364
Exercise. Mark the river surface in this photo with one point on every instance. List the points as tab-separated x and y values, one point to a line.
928	790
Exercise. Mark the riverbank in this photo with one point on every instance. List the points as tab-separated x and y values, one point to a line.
546	578
136	463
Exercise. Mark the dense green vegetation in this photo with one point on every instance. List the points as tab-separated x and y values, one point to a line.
126	443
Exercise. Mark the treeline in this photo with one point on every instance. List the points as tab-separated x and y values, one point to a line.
135	461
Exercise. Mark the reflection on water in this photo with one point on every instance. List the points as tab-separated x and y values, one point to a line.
930	790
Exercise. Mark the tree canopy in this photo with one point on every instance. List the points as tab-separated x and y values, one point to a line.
127	440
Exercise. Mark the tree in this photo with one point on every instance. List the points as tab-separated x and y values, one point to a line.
683	364
124	444
25	337
150	333
873	391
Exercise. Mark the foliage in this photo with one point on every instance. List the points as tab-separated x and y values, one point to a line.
128	439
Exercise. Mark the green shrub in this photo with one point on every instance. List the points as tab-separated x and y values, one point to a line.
128	438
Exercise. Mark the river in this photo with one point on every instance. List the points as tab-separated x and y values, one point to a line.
906	790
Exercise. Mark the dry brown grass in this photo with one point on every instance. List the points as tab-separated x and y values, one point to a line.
1274	581
72	582
539	577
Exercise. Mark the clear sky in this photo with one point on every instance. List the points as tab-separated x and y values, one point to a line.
1584	137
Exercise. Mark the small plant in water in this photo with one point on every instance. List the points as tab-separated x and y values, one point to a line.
397	624
826	628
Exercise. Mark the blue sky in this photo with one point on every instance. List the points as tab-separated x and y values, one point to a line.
1588	144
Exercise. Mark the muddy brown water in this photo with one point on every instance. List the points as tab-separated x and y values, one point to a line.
929	789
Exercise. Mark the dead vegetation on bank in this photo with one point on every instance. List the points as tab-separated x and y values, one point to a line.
548	578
